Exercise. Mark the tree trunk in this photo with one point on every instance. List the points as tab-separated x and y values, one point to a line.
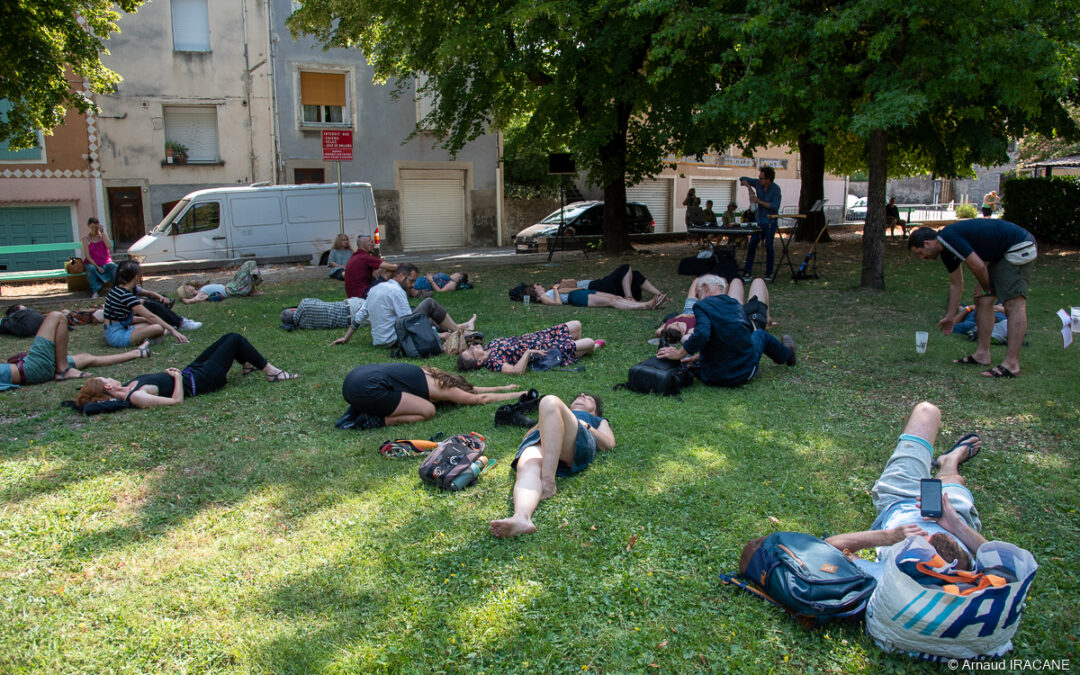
613	160
873	239
812	167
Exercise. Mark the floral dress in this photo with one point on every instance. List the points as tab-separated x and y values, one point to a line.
245	280
509	349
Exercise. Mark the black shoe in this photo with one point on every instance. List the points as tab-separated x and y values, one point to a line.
359	421
528	401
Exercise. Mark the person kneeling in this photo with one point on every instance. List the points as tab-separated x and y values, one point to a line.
563	443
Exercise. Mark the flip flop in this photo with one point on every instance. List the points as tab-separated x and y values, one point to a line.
969	360
998	371
248	369
281	376
964	440
62	375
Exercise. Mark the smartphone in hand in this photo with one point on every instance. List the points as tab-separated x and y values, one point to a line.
930	498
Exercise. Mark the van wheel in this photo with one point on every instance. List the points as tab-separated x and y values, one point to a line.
323	258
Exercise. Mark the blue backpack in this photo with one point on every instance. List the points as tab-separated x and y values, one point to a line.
807	577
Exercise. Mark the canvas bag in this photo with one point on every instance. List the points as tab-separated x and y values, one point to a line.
933	624
416	337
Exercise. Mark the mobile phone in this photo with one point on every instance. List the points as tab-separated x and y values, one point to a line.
930	497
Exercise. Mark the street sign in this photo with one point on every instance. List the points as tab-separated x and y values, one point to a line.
337	145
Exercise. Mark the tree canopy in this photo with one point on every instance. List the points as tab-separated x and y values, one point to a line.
583	74
42	40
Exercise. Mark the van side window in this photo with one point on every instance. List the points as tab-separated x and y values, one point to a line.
199	218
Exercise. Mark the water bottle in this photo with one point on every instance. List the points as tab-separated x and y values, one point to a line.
466	477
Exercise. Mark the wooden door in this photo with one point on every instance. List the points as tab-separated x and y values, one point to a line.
126	216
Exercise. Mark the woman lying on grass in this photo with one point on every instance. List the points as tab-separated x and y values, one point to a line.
203	375
510	355
385	394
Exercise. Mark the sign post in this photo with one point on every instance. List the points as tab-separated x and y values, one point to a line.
337	146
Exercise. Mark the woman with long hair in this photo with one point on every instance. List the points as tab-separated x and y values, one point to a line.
510	355
100	268
385	394
204	375
339	257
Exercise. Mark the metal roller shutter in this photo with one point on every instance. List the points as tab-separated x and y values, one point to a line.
433	213
720	191
656	194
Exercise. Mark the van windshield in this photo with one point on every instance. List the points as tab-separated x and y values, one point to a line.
162	228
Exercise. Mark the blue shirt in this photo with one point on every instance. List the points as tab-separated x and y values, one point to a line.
771	195
990	238
722	335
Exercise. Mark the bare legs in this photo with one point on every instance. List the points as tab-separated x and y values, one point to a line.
1016	313
97	360
55	329
536	467
601	299
924	421
984	323
411	408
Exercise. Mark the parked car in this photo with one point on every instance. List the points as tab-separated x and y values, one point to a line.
857	210
582	219
258	221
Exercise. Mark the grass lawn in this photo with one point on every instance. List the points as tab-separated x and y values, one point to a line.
242	532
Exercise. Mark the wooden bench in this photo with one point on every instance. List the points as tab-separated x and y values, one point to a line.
30	275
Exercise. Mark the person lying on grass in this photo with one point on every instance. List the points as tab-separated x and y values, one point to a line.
204	375
623	281
563	443
676	329
730	337
439	282
48	357
510	355
243	283
584	297
314	314
386	394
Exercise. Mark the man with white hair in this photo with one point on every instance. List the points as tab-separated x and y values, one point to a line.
362	267
730	337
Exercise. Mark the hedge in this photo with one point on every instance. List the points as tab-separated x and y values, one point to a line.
1049	208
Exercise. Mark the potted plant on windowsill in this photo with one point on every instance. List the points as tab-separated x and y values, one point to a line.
175	152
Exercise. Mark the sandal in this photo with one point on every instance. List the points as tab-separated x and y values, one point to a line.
964	440
248	369
280	376
144	350
62	375
999	371
969	360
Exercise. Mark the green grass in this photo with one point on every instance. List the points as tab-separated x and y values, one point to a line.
242	532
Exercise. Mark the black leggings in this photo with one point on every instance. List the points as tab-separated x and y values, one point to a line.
612	283
207	373
164	313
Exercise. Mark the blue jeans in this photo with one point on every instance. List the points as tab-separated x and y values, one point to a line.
99	279
768	231
765	343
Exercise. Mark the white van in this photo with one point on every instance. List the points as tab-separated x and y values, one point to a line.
258	221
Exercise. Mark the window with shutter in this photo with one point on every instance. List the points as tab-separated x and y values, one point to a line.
35	154
324	98
190	26
194	127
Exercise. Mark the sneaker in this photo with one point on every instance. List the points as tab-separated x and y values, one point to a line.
768	278
188	324
789	342
746	278
93	296
599	343
358	421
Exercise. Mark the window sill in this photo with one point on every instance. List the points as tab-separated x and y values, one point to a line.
318	126
189	163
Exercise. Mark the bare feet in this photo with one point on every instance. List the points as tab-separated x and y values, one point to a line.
657	301
511	527
547	488
470	325
966	448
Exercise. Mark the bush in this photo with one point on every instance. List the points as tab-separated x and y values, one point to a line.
966	211
1049	208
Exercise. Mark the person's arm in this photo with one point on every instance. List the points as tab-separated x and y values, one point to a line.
702	331
142	399
854	541
358	320
502	387
952	522
546	299
401	303
449	285
150	317
388	267
772	199
956	290
147	293
522	364
671	353
462	397
605	437
978	269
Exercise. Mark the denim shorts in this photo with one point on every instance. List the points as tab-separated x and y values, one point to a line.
118	333
584	451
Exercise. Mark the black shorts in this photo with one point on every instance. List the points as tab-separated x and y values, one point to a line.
757	311
376	388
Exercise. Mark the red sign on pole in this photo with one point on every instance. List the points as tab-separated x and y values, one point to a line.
337	145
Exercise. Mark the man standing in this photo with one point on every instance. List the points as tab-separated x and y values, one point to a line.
362	266
999	255
766	198
731	337
388	301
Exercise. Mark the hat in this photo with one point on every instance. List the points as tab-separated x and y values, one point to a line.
182	292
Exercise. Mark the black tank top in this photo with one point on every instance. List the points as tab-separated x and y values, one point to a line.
163	381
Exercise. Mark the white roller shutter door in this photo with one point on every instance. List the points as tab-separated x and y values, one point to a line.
656	194
433	213
720	191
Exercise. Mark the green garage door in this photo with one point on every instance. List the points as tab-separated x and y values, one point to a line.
22	225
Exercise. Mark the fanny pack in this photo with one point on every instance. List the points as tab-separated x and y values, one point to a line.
1022	253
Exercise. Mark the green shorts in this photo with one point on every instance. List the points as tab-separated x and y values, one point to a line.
1008	281
40	362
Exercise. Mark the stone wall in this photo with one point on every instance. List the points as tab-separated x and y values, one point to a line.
521	213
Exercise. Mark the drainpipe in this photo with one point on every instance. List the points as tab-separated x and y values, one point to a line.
247	92
499	191
275	126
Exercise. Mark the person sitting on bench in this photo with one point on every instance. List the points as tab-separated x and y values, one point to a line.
563	443
729	335
48	357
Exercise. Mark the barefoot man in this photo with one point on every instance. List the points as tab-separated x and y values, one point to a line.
563	443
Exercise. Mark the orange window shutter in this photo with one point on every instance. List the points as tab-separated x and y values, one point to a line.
322	88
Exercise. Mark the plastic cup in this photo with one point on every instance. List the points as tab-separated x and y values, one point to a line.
525	299
921	337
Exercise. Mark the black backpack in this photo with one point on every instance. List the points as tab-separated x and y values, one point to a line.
455	463
22	323
658	376
416	337
517	292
